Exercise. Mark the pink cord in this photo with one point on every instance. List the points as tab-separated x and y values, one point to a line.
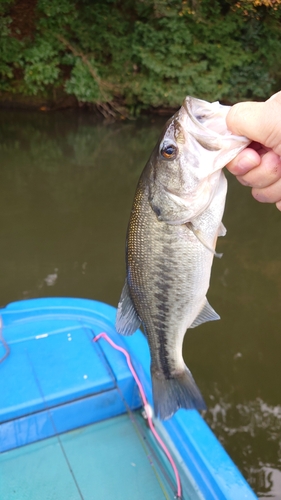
146	407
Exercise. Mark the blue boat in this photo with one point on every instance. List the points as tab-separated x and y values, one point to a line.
72	424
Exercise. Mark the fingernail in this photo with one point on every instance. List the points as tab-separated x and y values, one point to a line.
245	164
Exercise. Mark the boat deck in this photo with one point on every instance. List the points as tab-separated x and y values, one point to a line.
106	460
70	423
70	418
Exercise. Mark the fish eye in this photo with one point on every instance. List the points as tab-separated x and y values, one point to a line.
169	152
200	118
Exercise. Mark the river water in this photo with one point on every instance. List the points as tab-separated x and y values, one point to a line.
66	187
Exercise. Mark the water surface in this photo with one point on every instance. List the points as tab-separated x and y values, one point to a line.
66	189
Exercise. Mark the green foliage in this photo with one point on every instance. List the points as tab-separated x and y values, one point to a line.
82	84
10	54
142	54
40	66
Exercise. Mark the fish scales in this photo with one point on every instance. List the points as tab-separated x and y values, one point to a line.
171	298
170	249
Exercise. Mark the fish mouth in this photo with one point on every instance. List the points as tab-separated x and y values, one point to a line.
194	108
210	120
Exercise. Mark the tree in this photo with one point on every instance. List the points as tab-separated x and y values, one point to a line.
127	56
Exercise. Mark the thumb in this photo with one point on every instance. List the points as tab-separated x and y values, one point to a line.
259	121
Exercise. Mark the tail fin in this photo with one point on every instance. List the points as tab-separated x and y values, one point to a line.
171	394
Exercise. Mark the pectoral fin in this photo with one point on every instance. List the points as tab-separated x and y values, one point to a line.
200	238
206	314
222	230
127	320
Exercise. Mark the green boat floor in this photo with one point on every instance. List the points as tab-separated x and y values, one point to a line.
103	461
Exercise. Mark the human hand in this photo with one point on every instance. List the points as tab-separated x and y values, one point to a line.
259	165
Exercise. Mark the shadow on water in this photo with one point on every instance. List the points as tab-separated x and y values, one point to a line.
66	188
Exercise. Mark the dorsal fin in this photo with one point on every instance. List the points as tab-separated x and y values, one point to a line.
127	320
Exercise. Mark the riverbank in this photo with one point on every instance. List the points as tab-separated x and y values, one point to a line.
61	100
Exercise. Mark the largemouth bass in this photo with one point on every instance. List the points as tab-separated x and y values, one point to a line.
173	228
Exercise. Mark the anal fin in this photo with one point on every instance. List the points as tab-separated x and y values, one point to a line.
127	320
207	313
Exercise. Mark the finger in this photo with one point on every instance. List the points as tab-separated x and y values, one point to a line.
266	173
244	161
278	205
259	148
259	121
270	194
